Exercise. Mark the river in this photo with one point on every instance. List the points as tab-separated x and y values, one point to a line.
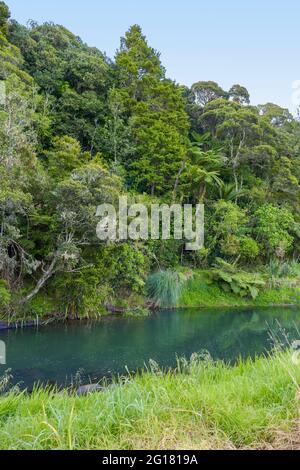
115	345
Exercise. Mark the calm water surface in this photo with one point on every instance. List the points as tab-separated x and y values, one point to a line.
54	354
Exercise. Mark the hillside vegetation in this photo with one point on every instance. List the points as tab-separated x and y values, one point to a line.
78	129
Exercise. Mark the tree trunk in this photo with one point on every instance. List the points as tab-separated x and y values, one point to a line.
178	179
41	282
202	193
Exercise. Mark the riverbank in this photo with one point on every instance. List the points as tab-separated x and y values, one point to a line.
202	406
197	292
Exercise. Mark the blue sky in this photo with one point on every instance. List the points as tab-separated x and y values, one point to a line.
251	42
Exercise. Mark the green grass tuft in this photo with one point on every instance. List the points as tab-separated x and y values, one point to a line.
164	288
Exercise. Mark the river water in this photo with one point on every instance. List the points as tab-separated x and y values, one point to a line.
55	354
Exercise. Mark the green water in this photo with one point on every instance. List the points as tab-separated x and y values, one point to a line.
54	354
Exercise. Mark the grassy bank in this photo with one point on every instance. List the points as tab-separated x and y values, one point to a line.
203	406
198	293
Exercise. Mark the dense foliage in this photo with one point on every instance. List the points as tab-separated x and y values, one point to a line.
78	129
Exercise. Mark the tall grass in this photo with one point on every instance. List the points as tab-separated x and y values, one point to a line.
283	273
204	405
164	288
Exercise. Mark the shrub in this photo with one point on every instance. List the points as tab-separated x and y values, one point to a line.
240	283
273	228
249	249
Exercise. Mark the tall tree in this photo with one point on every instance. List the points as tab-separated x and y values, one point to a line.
204	92
239	94
74	78
4	17
154	107
11	60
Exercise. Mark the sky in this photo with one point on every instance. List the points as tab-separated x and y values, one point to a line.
255	43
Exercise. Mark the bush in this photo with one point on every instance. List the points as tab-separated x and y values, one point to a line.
273	228
249	248
240	283
40	306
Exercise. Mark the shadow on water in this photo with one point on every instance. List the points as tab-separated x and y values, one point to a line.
54	354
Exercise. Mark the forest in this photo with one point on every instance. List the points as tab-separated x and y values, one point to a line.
79	129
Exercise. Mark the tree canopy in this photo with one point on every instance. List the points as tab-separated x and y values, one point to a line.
78	129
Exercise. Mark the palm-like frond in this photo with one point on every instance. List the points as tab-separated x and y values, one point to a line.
228	192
